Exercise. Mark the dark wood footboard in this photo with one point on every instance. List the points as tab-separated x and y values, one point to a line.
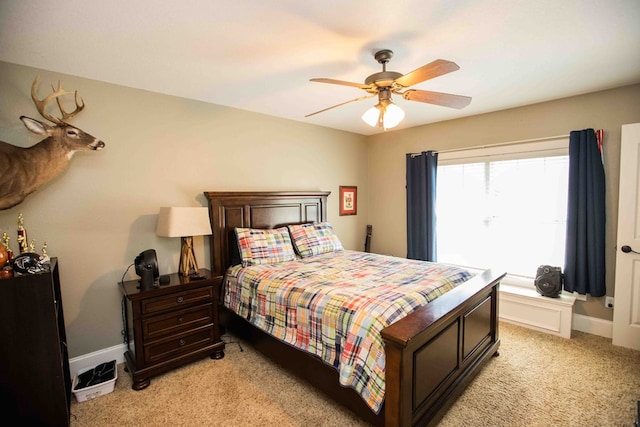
432	354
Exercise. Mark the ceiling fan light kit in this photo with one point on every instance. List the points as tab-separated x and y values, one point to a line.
386	114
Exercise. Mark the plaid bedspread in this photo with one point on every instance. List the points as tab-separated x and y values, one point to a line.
334	306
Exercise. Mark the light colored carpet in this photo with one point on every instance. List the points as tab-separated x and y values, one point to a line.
538	380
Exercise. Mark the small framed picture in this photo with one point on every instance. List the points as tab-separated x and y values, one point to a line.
348	200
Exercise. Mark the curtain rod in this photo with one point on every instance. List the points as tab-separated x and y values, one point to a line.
500	144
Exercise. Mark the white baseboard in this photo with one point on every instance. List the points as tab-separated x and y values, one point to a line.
92	359
593	325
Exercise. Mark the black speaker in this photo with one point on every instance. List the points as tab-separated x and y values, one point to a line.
549	281
146	265
146	280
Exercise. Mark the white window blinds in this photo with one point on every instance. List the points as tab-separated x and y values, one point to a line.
503	210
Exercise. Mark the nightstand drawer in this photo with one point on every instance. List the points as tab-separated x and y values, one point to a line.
177	321
177	300
177	345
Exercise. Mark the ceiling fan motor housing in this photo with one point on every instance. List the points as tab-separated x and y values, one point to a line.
383	78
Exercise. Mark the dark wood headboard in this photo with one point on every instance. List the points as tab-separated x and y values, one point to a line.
267	209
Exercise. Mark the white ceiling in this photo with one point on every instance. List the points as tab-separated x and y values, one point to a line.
259	55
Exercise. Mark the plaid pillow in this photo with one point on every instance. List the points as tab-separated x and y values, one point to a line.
264	246
314	239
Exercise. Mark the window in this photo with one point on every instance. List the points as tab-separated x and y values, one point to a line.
503	207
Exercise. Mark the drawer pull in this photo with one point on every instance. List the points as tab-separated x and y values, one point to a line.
179	299
181	342
180	319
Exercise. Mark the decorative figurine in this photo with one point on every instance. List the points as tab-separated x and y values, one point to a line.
4	256
45	257
21	240
5	241
22	234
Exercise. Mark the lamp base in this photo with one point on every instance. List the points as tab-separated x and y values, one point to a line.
188	264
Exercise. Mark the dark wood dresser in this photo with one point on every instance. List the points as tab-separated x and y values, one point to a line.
35	381
170	325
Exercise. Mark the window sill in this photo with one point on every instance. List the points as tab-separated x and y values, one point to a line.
531	294
527	284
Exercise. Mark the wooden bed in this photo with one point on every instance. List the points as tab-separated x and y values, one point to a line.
431	355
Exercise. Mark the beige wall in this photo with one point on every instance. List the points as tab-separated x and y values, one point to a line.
607	110
160	151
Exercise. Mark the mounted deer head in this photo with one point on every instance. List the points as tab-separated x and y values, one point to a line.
24	170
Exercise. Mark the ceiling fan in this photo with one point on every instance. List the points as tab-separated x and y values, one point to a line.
384	83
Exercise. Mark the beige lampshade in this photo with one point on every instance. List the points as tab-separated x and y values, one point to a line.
183	222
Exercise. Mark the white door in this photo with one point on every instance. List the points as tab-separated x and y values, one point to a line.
626	310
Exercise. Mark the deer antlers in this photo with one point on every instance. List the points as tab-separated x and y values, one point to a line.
57	93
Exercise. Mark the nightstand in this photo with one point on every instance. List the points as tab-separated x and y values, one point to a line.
170	325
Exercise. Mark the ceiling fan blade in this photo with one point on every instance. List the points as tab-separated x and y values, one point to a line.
437	98
341	82
426	72
339	105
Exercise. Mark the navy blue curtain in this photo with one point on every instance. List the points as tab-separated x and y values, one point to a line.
421	202
584	268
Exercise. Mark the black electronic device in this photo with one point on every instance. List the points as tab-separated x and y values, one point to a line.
548	281
146	265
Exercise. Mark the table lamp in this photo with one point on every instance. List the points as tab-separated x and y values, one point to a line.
185	223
